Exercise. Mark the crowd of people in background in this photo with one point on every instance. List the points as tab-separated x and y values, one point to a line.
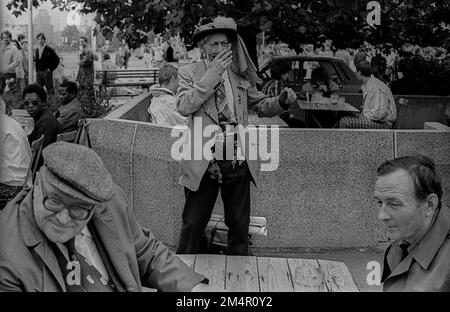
385	59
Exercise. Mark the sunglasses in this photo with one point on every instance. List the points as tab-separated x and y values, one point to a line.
31	103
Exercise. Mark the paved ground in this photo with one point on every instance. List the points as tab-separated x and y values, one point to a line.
356	261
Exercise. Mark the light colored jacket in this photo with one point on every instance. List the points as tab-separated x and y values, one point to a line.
427	266
10	58
163	108
196	99
15	152
378	102
20	72
135	258
85	77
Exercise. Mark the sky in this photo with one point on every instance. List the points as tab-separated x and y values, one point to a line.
58	18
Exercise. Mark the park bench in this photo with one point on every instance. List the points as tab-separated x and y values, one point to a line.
143	78
215	234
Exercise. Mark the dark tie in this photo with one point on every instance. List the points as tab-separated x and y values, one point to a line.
404	247
82	276
223	111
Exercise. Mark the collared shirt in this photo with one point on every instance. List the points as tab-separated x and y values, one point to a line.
41	50
15	152
85	245
163	108
228	91
427	266
378	102
10	58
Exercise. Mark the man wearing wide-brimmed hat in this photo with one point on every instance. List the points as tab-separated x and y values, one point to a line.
75	231
219	91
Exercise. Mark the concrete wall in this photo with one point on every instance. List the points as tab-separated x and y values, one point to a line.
320	195
136	109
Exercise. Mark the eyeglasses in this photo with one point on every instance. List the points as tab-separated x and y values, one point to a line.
76	212
215	45
31	103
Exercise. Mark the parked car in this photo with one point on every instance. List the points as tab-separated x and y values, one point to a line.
302	67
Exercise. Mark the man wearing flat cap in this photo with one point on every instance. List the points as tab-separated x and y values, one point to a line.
219	91
75	231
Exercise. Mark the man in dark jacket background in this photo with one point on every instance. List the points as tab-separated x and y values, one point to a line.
35	102
46	62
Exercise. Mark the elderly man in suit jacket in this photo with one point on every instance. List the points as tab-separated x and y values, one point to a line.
218	91
75	231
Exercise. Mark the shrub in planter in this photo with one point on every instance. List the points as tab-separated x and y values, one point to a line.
94	105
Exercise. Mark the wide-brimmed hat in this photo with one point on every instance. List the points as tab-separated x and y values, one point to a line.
220	24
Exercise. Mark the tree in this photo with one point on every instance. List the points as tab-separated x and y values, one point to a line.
71	33
295	22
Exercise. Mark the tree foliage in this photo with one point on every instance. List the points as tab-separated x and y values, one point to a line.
71	32
422	22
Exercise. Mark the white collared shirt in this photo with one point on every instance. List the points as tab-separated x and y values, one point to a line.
228	91
15	153
85	245
41	50
163	108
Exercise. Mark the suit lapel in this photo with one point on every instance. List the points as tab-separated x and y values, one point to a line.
114	249
210	105
396	265
33	238
47	255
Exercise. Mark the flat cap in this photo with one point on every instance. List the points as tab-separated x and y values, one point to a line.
79	171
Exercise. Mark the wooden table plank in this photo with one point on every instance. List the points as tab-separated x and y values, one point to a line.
189	259
213	267
345	107
274	275
337	276
307	276
241	274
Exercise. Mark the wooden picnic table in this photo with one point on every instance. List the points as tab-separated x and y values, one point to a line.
266	274
310	107
344	107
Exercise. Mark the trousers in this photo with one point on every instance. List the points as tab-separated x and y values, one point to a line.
235	192
45	79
